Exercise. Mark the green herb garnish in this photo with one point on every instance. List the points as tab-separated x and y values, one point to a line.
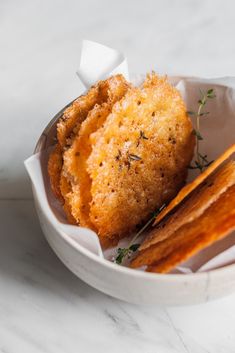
122	253
201	161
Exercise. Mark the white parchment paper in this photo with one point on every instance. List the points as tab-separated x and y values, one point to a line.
218	128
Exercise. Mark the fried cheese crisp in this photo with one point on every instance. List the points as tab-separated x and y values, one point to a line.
139	157
198	201
75	158
76	113
65	188
187	189
214	224
68	127
54	168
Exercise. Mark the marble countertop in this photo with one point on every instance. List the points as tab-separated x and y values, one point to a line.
43	306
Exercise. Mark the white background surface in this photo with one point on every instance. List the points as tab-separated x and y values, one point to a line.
43	307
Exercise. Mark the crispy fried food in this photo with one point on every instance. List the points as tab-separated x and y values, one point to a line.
194	219
214	224
55	163
75	157
76	113
187	189
68	128
65	188
139	157
59	184
125	152
200	199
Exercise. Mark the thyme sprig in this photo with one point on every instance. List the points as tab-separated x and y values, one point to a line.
130	158
123	253
201	160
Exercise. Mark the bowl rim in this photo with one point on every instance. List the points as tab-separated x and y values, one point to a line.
137	273
194	276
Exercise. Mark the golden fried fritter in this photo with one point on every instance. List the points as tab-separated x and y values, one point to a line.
76	113
68	126
59	184
75	157
65	188
73	116
139	157
54	168
125	153
92	109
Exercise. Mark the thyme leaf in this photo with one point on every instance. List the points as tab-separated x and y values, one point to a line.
142	135
133	157
123	253
197	134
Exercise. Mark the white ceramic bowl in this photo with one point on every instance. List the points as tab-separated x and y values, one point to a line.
127	284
